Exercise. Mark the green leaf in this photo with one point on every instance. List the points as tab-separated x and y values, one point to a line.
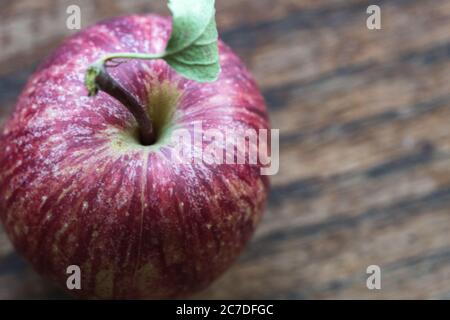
192	49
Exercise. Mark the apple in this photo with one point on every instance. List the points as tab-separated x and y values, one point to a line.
77	188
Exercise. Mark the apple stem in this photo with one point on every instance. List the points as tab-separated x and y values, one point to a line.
106	83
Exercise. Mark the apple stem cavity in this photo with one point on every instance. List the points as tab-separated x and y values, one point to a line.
98	78
106	83
192	51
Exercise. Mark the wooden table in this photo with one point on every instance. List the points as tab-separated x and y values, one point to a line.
365	151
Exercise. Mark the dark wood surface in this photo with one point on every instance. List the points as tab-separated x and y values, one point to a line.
365	151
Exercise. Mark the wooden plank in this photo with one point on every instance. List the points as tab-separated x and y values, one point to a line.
331	263
365	148
338	151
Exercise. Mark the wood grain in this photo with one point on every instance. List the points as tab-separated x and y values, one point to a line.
365	149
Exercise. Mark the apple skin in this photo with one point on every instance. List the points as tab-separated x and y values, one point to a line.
77	189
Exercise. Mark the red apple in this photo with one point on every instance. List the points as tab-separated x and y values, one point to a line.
77	187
